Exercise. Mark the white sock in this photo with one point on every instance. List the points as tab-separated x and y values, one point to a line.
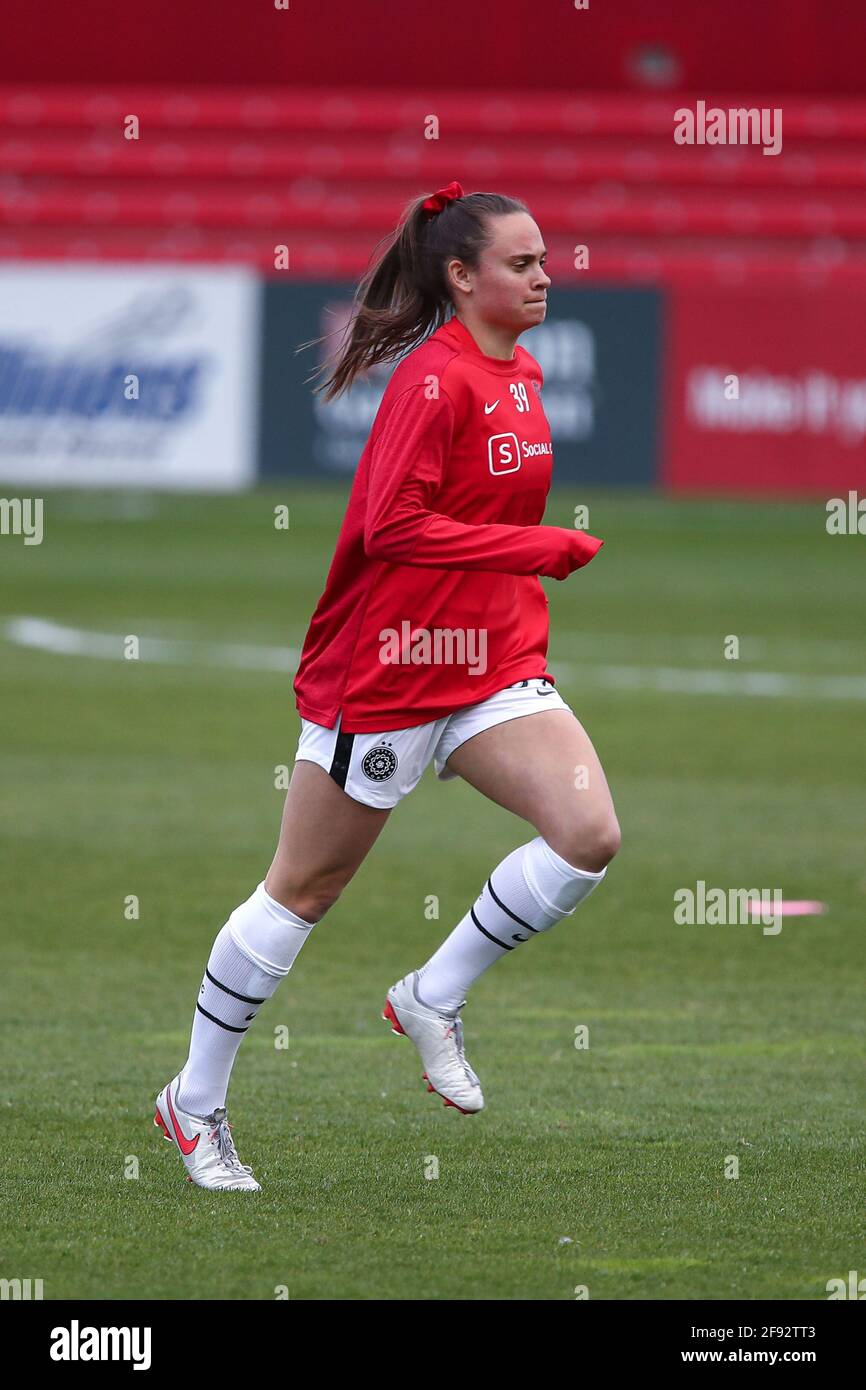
529	892
252	953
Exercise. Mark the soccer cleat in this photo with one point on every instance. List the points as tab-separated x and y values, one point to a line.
439	1040
205	1143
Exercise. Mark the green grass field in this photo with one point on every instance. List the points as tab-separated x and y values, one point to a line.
156	778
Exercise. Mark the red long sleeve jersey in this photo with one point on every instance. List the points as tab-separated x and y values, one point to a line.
440	536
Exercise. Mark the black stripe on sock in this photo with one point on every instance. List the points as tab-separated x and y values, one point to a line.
489	934
227	1026
244	998
339	768
499	903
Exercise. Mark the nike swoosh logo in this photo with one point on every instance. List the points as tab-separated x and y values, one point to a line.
489	408
186	1145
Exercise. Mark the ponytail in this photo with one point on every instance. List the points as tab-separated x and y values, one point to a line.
404	295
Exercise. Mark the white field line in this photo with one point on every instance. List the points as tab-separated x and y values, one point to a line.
60	639
48	636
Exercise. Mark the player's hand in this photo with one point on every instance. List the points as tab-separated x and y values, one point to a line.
576	550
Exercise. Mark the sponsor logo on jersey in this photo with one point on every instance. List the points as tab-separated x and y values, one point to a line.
530	450
489	409
503	453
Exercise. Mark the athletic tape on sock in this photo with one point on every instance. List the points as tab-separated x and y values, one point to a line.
267	933
558	885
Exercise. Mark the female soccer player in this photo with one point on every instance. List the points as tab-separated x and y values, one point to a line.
428	642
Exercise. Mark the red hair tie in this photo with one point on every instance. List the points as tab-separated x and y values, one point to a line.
437	201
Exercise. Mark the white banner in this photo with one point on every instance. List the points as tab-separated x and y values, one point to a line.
117	376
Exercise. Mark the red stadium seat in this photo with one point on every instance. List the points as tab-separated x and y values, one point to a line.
228	174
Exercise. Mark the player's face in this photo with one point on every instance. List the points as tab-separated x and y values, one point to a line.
509	286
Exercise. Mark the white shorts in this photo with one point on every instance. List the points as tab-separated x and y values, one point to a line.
378	769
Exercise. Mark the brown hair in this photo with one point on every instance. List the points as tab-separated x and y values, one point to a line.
404	295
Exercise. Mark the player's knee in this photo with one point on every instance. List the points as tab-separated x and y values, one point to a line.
603	842
590	845
315	908
308	898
